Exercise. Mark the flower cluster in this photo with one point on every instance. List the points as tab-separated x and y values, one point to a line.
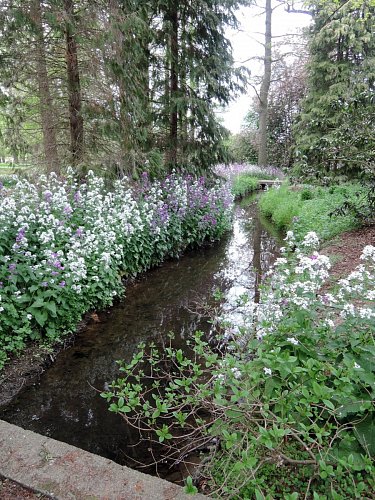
65	246
229	172
292	287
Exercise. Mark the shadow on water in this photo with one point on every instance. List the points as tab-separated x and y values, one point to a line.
64	405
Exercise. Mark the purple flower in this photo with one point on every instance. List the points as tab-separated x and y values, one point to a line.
57	264
12	267
62	284
44	283
20	236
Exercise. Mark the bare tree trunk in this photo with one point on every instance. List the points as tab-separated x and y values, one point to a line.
45	99
74	86
173	117
264	89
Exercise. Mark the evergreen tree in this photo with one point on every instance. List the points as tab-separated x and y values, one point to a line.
335	131
125	84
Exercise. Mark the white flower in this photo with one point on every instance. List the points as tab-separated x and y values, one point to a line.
292	340
311	240
348	310
267	371
356	366
366	313
281	261
368	252
236	372
289	236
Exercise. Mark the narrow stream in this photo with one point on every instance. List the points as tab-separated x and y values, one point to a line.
63	403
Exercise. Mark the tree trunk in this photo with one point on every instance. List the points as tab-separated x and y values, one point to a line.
74	86
45	99
264	89
173	116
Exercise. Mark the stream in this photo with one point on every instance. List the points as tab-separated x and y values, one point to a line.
63	403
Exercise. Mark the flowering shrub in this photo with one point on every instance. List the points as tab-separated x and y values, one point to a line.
289	413
65	247
234	170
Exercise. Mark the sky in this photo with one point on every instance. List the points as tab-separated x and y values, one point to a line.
245	46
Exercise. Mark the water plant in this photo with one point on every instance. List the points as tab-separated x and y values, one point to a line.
66	246
286	410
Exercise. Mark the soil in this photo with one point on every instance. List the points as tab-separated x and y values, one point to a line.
345	251
9	490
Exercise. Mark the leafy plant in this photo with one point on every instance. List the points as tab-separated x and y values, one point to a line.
288	407
244	184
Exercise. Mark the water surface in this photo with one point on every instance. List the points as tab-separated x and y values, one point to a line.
65	403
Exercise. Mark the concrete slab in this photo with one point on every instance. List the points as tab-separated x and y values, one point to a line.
69	473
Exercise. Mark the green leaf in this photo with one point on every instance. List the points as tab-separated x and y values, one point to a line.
51	306
190	489
365	433
329	404
41	317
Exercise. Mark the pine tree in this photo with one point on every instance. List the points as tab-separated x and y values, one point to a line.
335	132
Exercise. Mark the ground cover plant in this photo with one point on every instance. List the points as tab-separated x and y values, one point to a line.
314	208
286	410
244	178
66	246
244	184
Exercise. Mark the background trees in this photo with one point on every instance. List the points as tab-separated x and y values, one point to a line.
335	131
119	84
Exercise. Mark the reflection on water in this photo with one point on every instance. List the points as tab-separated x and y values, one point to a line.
65	403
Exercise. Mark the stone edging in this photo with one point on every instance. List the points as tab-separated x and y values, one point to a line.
65	472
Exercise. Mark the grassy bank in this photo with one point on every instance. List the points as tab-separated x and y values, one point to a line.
244	179
243	185
313	208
